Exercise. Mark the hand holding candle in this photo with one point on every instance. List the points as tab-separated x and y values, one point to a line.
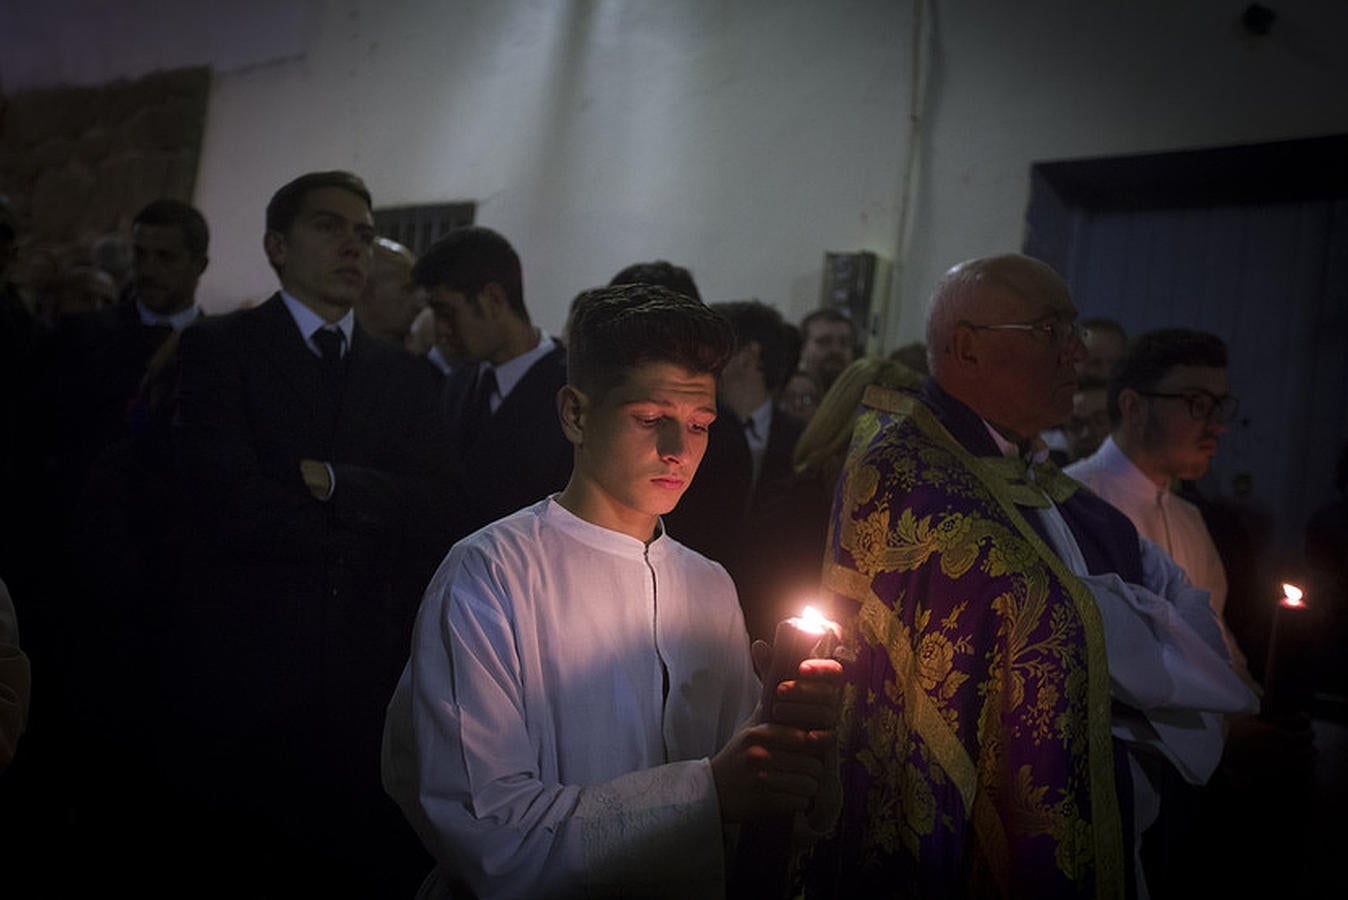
808	636
800	698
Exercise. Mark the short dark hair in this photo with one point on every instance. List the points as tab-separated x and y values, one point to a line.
1154	354
617	328
826	314
468	259
661	272
175	214
285	204
756	321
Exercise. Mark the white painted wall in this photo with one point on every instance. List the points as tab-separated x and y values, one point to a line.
742	138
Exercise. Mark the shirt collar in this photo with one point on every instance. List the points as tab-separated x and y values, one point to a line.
762	419
309	321
177	321
1124	473
508	374
606	539
1037	453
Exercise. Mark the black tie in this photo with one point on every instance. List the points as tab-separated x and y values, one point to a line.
329	342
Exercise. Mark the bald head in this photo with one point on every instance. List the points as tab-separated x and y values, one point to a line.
388	249
987	290
390	301
1020	379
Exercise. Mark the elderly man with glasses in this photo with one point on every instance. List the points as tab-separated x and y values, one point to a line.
1020	660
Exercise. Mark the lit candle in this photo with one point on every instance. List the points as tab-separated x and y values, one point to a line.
1286	685
807	636
763	868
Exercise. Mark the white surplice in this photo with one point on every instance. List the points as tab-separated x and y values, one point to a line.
551	733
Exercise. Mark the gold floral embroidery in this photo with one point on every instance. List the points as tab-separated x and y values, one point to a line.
1033	684
935	656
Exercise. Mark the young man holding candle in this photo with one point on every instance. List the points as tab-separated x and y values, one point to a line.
573	716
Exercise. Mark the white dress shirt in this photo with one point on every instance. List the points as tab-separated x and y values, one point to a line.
310	322
177	321
757	436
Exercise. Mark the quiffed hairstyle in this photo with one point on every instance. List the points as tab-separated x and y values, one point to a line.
176	214
660	272
468	259
617	328
1157	352
756	321
285	204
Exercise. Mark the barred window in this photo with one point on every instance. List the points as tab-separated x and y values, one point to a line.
417	227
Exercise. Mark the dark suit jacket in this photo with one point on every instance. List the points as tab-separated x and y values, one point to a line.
520	457
720	501
727	517
782	437
296	614
98	361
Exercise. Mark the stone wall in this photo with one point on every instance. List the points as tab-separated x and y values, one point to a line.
79	162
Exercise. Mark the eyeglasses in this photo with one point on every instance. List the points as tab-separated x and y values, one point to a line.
1057	330
1204	405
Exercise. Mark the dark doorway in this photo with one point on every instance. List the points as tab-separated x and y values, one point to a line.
1250	243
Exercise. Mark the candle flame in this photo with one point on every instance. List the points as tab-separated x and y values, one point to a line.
813	618
813	621
1292	595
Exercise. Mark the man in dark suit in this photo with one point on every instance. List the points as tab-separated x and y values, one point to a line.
312	458
83	411
748	454
100	358
501	402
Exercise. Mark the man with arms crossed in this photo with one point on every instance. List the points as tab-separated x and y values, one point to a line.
313	463
572	719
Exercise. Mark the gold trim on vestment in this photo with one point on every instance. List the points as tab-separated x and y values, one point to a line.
879	623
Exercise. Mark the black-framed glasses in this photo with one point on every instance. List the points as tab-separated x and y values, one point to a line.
1058	331
1203	405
